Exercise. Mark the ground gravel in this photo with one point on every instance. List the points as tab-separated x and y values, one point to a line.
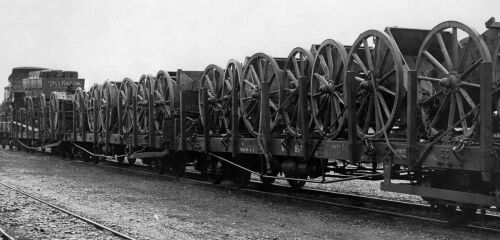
149	207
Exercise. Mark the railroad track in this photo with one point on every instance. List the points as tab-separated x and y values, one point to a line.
5	235
327	198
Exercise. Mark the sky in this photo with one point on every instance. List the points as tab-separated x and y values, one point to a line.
126	38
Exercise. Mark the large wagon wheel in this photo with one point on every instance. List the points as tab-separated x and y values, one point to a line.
379	87
108	108
91	107
448	79
326	89
297	68
127	97
80	98
232	78
163	99
212	80
260	68
143	94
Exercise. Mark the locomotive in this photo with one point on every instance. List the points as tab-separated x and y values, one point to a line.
417	109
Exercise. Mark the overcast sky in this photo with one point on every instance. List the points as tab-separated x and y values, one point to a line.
126	38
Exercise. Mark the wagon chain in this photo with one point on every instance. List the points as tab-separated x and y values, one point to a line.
103	155
50	145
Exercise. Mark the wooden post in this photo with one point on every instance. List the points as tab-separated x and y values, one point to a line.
352	128
411	116
206	132
265	121
74	119
182	121
488	163
235	120
303	117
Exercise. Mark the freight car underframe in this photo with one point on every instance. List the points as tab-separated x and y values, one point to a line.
403	159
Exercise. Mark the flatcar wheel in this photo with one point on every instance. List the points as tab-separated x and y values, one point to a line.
296	184
131	161
297	68
260	68
454	217
214	170
212	81
448	79
326	89
379	88
240	177
178	166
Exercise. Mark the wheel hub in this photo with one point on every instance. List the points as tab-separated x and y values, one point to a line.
451	82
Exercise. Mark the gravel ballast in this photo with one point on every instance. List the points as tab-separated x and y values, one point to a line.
149	207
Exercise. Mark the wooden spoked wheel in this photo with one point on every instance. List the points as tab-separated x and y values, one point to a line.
92	106
79	108
212	81
297	68
126	99
108	108
326	89
143	94
448	79
260	68
232	78
163	99
379	87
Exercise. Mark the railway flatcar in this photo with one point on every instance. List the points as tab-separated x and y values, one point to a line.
412	105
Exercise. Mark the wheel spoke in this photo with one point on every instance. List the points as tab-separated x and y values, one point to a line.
440	111
454	41
386	90
461	112
330	61
387	75
436	80
368	54
378	124
436	62
254	75
467	98
360	63
384	105
321	78
292	78
427	100
250	84
295	67
464	57
451	114
444	50
471	68
324	66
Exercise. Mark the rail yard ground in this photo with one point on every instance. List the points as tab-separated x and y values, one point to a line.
148	207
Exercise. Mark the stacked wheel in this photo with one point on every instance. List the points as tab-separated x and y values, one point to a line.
260	68
212	81
449	81
108	108
163	99
126	99
379	85
326	90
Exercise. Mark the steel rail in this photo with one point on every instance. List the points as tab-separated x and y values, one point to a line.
96	224
4	235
